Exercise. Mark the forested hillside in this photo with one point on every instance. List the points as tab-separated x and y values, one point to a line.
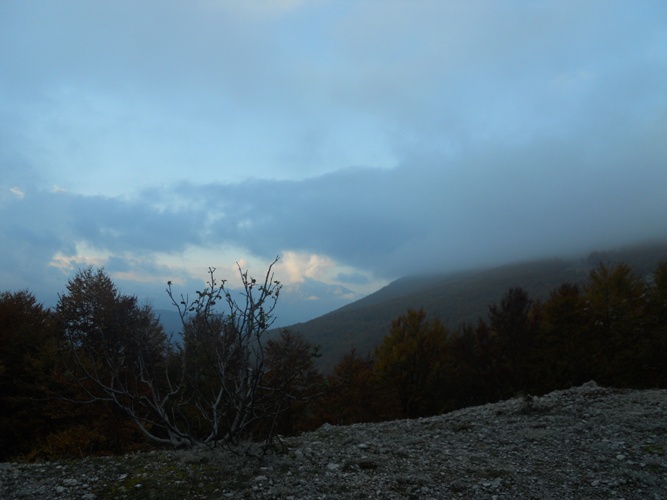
457	298
98	375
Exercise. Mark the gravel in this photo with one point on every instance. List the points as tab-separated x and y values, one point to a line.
586	442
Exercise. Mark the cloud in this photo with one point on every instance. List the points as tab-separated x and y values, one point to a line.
219	91
299	266
360	140
352	278
502	203
559	194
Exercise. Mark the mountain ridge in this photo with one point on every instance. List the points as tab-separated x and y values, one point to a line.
458	297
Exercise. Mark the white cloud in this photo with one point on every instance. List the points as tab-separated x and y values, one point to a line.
83	255
297	266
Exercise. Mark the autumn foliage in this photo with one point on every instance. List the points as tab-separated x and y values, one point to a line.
613	329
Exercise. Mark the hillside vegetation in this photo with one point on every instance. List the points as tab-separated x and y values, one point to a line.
457	298
98	375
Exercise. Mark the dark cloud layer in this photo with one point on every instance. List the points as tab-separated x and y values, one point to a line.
383	138
483	208
552	197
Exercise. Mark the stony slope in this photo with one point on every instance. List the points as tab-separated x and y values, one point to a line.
586	442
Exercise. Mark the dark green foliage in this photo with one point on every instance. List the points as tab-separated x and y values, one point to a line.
27	357
613	331
98	374
457	298
291	383
654	345
113	350
563	339
356	394
514	332
411	361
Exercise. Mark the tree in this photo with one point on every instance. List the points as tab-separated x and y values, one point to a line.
563	343
616	330
116	350
654	351
27	356
489	362
209	391
291	382
355	394
470	371
411	361
512	323
231	407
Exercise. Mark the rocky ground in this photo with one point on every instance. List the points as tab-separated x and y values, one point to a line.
586	442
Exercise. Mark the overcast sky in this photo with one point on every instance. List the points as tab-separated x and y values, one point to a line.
359	140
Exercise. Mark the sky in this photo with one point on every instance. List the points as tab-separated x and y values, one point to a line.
360	141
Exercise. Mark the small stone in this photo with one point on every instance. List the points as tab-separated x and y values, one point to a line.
620	456
595	483
260	478
333	466
60	489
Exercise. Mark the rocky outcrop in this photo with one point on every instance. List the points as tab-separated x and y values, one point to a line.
586	442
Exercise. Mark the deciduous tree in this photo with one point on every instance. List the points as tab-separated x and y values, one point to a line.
27	357
355	394
291	382
615	312
116	349
223	385
411	361
562	340
515	329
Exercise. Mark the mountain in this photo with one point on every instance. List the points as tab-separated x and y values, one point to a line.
456	298
320	298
